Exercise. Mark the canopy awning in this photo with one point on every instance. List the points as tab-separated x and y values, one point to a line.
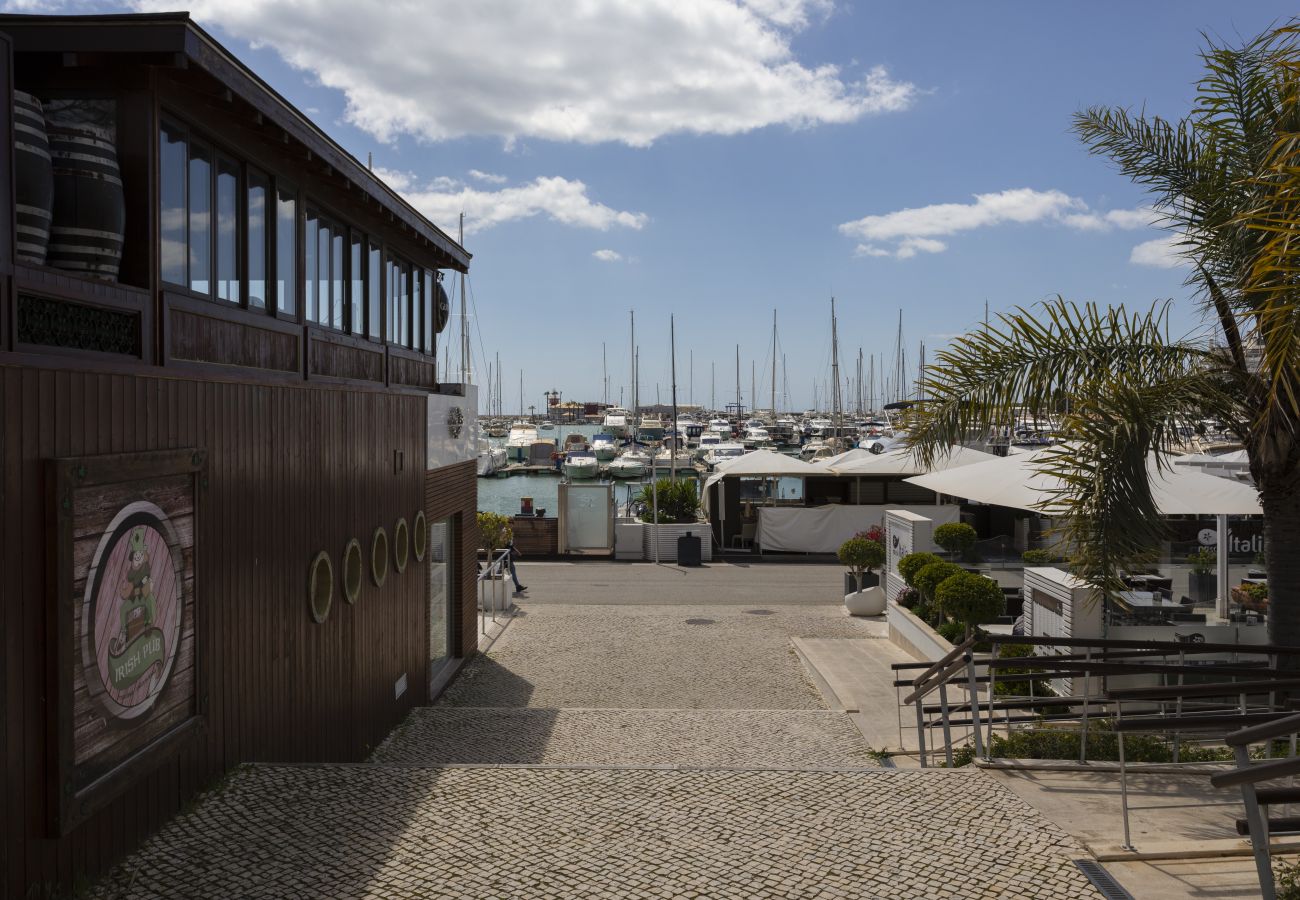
763	462
1015	482
902	462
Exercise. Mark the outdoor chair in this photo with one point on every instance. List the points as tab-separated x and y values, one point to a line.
746	536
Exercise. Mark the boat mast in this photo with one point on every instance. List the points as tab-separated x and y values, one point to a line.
774	365
521	393
835	376
785	385
713	387
677	439
737	381
465	374
604	375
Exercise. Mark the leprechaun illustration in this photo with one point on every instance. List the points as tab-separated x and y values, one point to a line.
136	590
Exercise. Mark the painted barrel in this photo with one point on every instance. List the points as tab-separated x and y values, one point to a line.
33	179
441	308
89	207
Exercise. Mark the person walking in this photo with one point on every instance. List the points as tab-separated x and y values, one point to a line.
512	553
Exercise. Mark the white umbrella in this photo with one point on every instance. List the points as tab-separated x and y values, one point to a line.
763	462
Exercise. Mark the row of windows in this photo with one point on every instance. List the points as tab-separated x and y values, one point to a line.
223	223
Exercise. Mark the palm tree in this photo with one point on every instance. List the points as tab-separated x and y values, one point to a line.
1226	182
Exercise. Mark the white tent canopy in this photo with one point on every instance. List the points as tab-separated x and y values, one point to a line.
902	462
763	462
1015	482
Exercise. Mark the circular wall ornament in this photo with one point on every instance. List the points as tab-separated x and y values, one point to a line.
132	610
401	545
419	536
352	571
320	587
379	556
455	421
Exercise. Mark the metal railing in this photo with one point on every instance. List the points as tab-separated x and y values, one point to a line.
492	593
1188	692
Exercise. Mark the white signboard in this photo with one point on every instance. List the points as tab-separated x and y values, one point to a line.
905	532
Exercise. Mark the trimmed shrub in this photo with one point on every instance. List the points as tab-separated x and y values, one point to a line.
955	537
933	575
952	632
1036	558
494	531
912	563
971	599
1007	685
861	555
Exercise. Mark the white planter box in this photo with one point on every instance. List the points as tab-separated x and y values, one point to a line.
629	542
668	535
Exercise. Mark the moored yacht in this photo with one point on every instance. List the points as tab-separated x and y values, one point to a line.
604	447
581	464
631	464
616	423
650	429
521	437
723	452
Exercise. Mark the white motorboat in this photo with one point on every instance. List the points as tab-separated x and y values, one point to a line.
615	423
708	441
522	437
756	436
650	429
490	459
575	441
630	465
581	464
723	452
720	427
604	447
816	449
663	462
497	429
547	425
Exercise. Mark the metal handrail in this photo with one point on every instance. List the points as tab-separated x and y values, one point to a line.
494	576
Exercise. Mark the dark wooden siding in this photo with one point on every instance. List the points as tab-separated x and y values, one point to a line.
292	470
452	492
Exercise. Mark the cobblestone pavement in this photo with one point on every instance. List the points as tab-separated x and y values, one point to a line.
530	833
714	737
652	657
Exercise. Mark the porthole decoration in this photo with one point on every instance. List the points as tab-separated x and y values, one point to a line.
419	536
379	556
455	421
352	567
401	545
320	587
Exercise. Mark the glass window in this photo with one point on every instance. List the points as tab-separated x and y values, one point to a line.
417	313
394	326
430	310
228	229
311	243
357	287
375	292
442	591
286	249
404	303
336	278
256	234
171	202
322	274
200	218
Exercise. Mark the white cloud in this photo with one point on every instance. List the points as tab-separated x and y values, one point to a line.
629	71
608	255
1161	253
487	176
560	199
913	231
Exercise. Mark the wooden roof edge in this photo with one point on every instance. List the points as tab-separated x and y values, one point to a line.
178	33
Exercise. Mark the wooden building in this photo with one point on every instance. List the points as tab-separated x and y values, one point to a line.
237	505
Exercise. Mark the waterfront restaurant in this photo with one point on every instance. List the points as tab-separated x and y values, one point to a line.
237	503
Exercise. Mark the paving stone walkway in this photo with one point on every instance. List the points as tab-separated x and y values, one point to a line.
642	750
377	831
639	737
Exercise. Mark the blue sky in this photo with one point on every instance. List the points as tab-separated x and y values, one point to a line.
708	160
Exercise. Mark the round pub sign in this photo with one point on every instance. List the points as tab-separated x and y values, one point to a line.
132	614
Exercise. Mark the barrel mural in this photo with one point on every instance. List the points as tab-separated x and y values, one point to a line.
34	179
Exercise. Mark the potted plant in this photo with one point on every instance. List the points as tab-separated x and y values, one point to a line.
861	555
955	538
1036	558
1201	586
494	531
970	599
